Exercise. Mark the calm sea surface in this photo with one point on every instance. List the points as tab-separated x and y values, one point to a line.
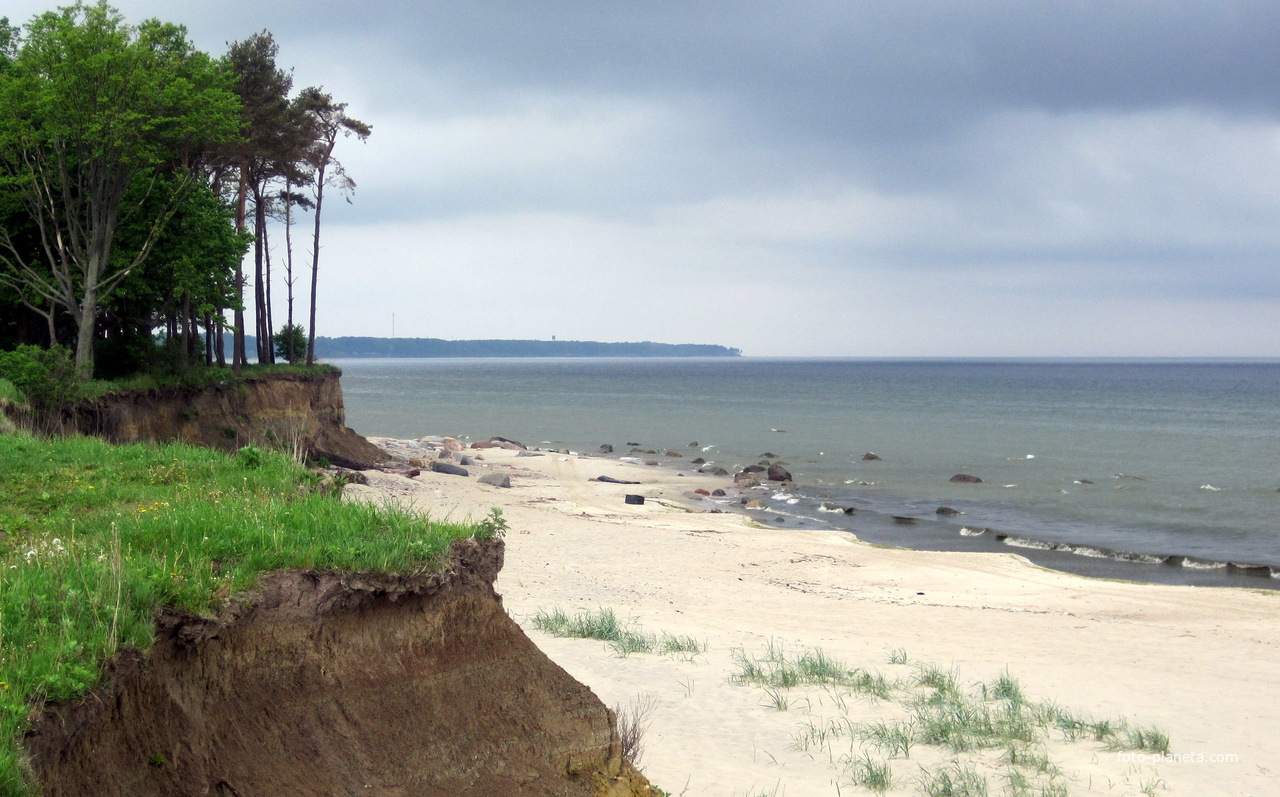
1086	465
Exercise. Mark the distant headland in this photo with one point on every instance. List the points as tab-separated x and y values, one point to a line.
338	348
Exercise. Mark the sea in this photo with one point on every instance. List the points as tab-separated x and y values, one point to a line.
1147	470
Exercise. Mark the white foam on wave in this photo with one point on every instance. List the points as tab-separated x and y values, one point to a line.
783	496
1210	488
829	507
965	531
1023	542
1192	564
632	460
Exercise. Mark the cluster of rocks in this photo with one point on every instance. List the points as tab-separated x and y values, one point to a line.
445	455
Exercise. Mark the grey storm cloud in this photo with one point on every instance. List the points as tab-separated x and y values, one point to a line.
1112	165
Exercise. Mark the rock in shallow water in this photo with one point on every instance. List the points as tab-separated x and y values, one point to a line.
964	478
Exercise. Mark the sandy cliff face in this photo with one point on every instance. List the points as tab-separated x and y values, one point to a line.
340	685
280	410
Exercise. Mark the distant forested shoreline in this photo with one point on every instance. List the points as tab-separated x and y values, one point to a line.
337	348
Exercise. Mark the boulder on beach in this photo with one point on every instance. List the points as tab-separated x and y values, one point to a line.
718	493
445	467
495	479
606	449
754	504
412	473
745	480
451	444
754	469
694	444
777	473
872	457
504	442
964	478
698	461
465	460
674	454
637	500
717	471
611	480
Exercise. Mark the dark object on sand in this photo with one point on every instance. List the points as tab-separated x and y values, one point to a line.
412	472
871	457
495	479
445	467
638	500
946	510
964	478
611	480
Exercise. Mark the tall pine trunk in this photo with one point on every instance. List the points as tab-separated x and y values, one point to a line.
315	255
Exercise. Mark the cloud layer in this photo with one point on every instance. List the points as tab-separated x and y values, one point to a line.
917	177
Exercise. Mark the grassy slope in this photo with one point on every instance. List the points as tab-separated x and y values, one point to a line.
97	537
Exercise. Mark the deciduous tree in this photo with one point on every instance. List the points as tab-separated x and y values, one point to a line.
90	109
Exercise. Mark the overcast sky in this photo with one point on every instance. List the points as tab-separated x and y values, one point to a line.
809	177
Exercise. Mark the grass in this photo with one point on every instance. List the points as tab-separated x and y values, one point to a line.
10	394
633	721
195	377
97	538
939	712
623	637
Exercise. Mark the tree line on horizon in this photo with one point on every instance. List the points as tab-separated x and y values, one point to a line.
360	347
137	173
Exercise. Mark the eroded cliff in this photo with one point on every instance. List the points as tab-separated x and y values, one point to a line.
322	683
279	410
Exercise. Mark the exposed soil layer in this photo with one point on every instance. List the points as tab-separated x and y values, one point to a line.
277	410
330	684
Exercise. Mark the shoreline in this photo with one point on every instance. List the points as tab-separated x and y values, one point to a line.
1198	663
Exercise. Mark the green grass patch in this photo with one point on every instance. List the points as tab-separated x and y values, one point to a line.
935	710
96	538
195	378
624	637
10	394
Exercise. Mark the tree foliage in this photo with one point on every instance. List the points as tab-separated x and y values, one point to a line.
92	109
136	172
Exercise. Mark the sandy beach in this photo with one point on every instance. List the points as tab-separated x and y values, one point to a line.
1198	663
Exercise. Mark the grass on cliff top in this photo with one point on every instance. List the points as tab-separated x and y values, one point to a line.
196	377
95	538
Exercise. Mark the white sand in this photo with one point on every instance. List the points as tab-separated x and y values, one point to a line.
1202	664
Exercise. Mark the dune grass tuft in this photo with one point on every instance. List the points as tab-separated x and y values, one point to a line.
623	637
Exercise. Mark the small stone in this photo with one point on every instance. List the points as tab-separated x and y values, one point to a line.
465	460
495	479
452	470
718	493
694	444
637	500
